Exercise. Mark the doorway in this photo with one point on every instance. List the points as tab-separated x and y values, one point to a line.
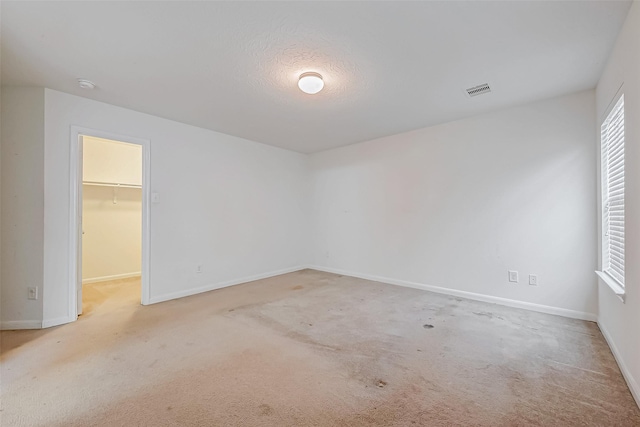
109	221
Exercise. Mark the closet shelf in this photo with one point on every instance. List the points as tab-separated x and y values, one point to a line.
110	184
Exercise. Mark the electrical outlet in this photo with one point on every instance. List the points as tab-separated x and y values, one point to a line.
533	280
513	276
33	292
199	268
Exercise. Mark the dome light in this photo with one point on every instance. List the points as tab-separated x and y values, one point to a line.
310	83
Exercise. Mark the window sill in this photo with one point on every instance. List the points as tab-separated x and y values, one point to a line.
615	286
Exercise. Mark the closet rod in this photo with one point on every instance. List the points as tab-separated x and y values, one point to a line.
110	184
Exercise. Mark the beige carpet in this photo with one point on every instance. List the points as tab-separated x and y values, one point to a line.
310	349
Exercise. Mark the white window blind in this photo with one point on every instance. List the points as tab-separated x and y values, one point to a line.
613	192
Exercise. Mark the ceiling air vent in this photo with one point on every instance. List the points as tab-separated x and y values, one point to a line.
479	90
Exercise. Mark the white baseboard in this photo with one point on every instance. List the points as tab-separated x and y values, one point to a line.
631	382
112	277
464	294
10	325
48	323
212	287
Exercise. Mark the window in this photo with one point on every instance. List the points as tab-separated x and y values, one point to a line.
613	193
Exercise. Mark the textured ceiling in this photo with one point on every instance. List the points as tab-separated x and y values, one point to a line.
232	67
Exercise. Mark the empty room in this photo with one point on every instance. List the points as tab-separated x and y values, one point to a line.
375	213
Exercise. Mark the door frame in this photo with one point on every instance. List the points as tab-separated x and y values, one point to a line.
75	211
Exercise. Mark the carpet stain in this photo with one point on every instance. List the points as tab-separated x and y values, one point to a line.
427	326
487	314
296	288
265	409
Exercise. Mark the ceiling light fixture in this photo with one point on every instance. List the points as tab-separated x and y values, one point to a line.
310	83
86	84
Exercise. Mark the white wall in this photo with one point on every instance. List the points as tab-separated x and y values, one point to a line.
22	205
459	204
111	217
111	161
112	239
454	205
236	207
0	181
620	321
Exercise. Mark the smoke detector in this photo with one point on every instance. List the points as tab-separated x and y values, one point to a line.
86	84
479	90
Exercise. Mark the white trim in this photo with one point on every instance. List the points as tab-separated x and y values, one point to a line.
112	277
469	295
11	325
613	285
75	176
611	104
75	183
57	321
212	287
626	374
145	278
